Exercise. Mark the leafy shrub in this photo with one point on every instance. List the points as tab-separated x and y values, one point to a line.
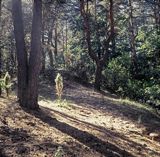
59	85
116	74
5	83
118	78
59	152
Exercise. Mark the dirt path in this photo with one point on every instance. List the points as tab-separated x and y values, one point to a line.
119	126
85	124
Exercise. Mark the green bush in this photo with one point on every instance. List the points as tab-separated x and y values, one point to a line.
5	83
116	74
118	78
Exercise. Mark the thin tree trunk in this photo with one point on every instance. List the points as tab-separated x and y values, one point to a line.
55	40
0	45
63	45
132	40
50	53
112	25
98	77
43	49
21	51
66	36
12	57
157	14
35	55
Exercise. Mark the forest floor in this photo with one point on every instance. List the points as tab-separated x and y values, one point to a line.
85	123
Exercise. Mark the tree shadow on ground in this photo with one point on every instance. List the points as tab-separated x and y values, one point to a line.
93	142
109	134
16	136
108	104
17	142
20	141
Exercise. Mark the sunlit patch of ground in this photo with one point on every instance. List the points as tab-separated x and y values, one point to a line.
85	124
123	123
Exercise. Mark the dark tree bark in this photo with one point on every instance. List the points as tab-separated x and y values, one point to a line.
50	53
21	51
66	41
56	40
63	46
157	13
112	26
35	55
0	46
43	49
132	40
98	77
28	72
12	57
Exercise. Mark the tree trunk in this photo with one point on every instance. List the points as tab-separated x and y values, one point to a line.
21	51
50	53
99	60
55	40
35	55
43	49
112	26
63	45
0	46
12	57
157	14
66	36
132	40
98	77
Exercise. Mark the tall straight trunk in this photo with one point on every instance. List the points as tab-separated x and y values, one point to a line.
35	55
99	51
63	46
132	40
43	49
0	44
98	77
50	53
11	57
157	14
112	26
55	40
21	51
66	36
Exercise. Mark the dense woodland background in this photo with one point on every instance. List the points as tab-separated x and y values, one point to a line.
80	78
113	44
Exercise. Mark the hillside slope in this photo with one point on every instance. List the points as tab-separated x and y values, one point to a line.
85	124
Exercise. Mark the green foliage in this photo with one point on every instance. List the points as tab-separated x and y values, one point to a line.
5	83
59	85
59	152
146	86
153	93
116	74
80	64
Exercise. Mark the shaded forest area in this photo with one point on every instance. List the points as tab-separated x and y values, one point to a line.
84	71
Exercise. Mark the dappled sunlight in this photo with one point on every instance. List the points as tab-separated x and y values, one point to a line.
79	78
83	119
108	118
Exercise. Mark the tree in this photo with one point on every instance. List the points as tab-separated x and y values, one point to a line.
102	58
0	46
35	55
21	51
132	39
28	70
